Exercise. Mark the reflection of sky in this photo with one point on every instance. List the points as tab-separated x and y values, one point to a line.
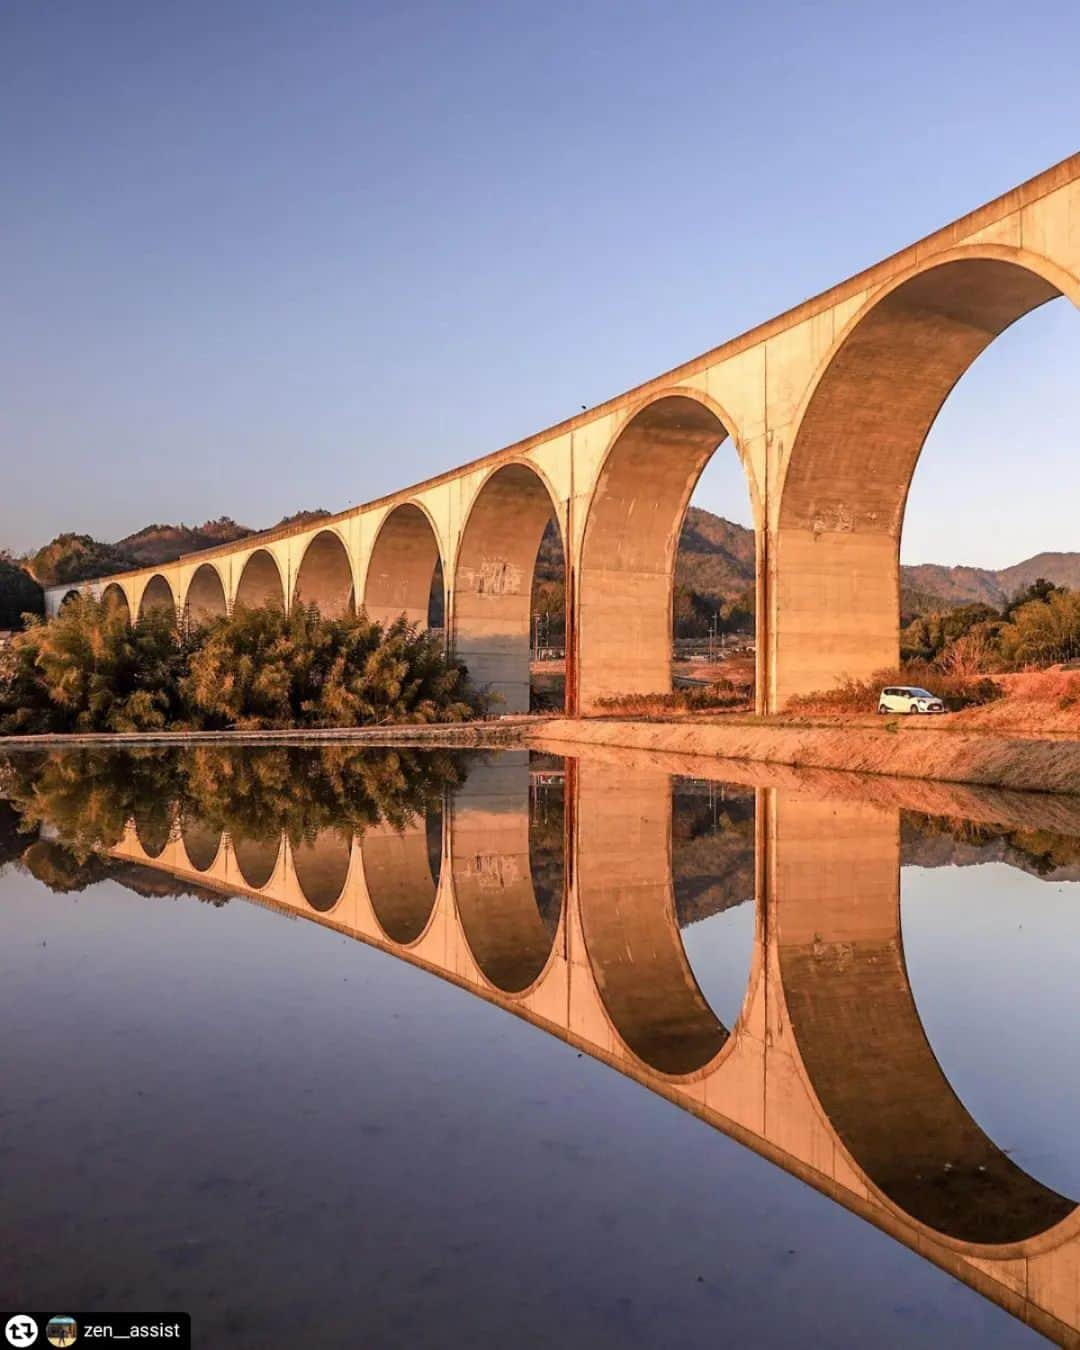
719	949
247	1117
992	954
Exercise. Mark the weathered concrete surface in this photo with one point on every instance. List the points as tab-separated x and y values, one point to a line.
827	407
826	1072
1025	764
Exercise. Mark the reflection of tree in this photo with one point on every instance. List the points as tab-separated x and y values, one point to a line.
942	841
84	799
546	850
12	843
712	849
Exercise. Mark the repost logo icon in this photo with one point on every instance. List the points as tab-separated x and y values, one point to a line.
21	1330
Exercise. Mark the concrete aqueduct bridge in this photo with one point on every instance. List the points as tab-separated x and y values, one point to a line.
827	407
825	1069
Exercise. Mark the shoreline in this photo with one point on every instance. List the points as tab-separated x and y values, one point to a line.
1015	761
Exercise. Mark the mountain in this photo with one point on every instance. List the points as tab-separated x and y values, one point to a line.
716	559
155	544
78	557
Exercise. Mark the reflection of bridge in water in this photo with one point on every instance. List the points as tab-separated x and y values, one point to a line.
826	1071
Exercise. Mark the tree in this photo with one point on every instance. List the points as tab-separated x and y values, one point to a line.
19	593
1040	589
90	670
1043	632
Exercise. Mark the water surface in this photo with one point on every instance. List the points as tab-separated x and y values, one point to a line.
428	1048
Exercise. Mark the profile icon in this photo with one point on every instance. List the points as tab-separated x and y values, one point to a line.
61	1331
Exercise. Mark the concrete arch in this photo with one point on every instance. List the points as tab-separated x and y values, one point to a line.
862	1044
71	595
260	583
401	882
834	609
114	594
202	843
626	572
205	598
401	566
322	867
325	576
628	920
511	941
492	611
157	594
256	859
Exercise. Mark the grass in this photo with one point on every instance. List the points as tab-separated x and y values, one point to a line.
701	698
861	696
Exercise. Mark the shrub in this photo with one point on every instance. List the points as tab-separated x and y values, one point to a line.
264	668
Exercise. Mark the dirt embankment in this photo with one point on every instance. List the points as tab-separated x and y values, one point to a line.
906	749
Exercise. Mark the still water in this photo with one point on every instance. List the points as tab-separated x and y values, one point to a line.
432	1049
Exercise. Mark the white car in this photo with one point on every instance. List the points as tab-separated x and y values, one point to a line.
908	698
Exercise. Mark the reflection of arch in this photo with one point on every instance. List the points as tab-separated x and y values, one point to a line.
260	582
851	1010
322	867
256	859
205	594
505	930
403	561
628	919
836	555
201	844
400	884
115	595
157	595
628	555
493	581
325	576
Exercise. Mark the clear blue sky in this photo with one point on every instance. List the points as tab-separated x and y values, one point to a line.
264	255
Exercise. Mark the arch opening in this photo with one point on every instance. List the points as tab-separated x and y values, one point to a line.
628	559
201	843
494	582
630	921
509	925
260	585
71	595
153	828
835	610
157	595
401	572
256	859
322	867
401	868
114	595
325	577
205	598
714	879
